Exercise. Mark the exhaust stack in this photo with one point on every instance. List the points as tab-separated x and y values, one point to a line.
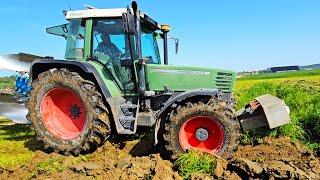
165	29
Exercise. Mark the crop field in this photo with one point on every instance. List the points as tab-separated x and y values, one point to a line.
293	74
21	158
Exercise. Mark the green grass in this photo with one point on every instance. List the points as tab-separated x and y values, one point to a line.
49	166
314	72
302	95
16	144
195	162
7	82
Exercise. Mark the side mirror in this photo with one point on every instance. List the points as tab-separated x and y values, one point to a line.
128	23
177	45
176	42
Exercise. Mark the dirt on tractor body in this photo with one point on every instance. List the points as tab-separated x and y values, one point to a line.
272	159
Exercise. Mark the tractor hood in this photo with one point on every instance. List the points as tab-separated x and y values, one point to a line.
181	78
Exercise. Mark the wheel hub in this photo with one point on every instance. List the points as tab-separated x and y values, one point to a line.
63	113
75	111
202	134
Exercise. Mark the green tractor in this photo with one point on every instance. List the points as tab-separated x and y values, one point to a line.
113	81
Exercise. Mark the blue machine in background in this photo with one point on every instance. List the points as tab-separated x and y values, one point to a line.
22	84
20	63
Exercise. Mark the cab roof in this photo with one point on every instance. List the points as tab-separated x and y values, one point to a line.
87	13
112	13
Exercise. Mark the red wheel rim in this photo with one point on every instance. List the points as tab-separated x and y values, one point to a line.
214	131
63	113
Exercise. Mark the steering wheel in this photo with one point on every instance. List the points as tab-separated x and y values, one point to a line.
125	55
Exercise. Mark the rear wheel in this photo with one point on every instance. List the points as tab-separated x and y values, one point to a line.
205	127
67	112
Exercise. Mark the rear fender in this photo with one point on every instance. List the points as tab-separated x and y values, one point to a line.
86	70
196	94
83	68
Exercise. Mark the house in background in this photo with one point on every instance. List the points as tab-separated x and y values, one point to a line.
283	69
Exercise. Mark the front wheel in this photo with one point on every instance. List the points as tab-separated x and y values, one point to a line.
67	112
207	127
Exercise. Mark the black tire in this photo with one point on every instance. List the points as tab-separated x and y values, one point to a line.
214	108
97	127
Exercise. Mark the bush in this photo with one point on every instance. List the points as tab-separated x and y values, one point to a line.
7	82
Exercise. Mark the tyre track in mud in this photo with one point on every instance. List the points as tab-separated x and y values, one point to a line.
274	158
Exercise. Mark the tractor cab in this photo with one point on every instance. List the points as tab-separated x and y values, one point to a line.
104	36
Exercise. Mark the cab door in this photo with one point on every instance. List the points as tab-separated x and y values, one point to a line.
112	48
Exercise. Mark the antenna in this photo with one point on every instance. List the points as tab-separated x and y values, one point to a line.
68	2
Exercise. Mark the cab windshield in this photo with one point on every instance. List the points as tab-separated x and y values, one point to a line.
149	47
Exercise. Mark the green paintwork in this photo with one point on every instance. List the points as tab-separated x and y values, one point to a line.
108	81
87	40
180	78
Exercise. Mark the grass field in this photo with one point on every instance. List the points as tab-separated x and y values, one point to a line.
16	144
301	92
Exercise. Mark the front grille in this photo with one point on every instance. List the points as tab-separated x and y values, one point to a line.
224	81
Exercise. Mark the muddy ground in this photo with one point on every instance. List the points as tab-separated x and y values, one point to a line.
272	159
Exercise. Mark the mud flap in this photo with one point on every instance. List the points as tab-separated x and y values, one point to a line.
265	110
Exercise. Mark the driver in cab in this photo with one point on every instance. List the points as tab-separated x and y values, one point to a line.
108	48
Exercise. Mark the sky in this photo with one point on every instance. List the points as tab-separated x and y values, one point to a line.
227	34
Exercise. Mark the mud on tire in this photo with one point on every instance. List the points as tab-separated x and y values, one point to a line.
97	125
216	109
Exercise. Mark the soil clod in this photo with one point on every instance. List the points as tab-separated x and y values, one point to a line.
272	159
